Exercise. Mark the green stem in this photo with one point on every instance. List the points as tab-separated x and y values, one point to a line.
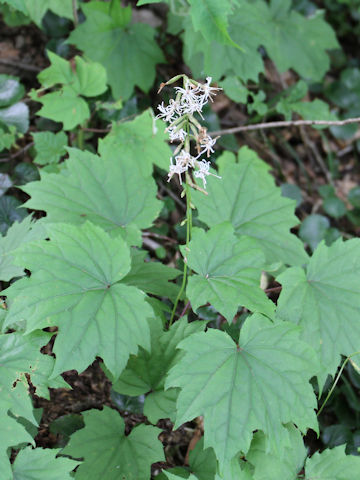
336	380
80	138
188	237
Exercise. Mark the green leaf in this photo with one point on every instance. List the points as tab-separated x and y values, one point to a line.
313	229
229	271
332	464
10	211
24	173
129	53
354	197
293	41
108	191
42	464
260	383
74	284
17	235
247	197
16	115
272	467
210	18
49	146
324	300
315	110
146	372
66	105
202	462
151	277
143	141
116	456
37	9
11	90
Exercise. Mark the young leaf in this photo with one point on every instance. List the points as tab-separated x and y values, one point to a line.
142	141
229	271
146	372
324	300
116	455
247	197
74	284
260	383
108	191
127	51
17	235
42	464
202	462
334	464
49	146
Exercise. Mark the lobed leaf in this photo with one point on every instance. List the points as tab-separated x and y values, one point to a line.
261	383
116	455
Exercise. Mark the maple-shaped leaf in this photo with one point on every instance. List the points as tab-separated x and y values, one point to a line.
116	456
18	234
332	464
146	371
42	464
228	272
109	191
260	383
127	51
74	285
247	197
325	301
49	146
142	140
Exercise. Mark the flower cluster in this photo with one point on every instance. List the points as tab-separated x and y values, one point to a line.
184	127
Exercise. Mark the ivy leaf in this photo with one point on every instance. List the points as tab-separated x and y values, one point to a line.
142	140
49	146
247	197
146	372
272	467
74	284
229	271
17	235
108	191
334	464
128	52
260	383
324	300
151	277
42	464
116	456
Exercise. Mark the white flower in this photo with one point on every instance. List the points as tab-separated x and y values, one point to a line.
203	171
167	113
177	169
176	134
209	92
207	143
184	158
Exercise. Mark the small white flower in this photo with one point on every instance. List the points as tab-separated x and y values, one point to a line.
176	134
185	159
209	92
206	144
176	169
167	113
203	171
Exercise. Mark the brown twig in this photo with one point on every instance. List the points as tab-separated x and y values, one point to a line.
273	289
20	65
185	309
75	14
282	124
18	153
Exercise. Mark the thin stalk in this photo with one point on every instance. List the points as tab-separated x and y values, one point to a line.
336	380
75	14
188	237
80	138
